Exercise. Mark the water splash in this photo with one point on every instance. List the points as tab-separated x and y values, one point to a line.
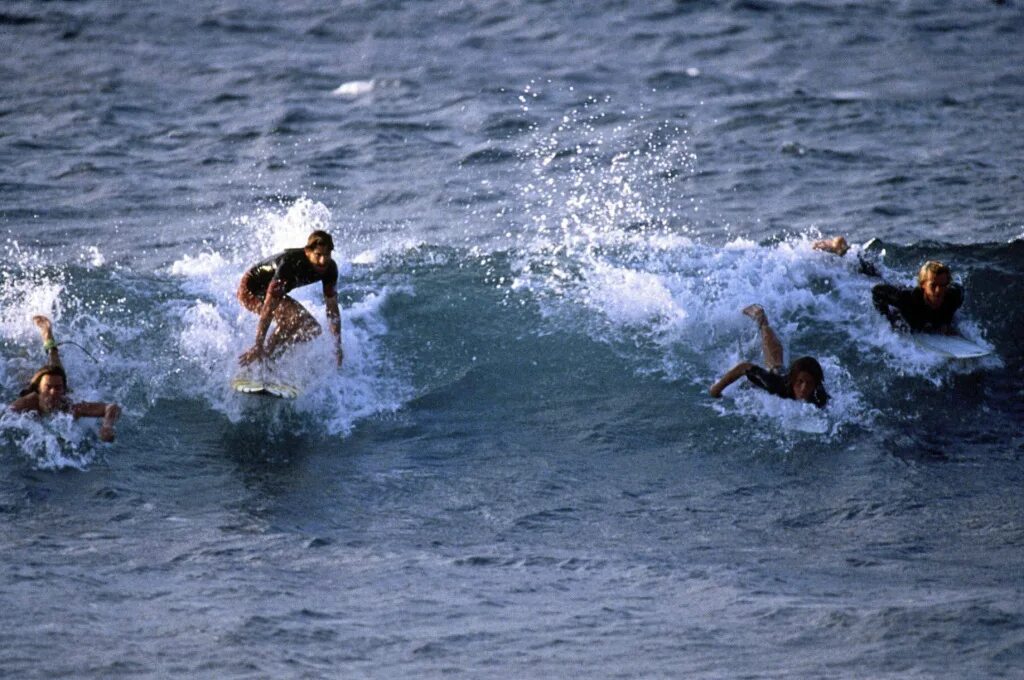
214	329
607	245
53	442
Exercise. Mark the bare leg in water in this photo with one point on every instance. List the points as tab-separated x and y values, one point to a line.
771	348
46	331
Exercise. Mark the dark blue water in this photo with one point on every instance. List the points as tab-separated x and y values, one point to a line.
548	217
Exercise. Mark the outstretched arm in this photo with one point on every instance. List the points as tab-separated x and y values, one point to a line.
734	374
30	402
334	317
887	300
97	409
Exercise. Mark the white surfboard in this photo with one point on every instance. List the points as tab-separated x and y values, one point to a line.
952	346
273	389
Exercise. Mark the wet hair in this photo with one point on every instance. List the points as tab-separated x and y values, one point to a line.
932	268
808	365
318	239
37	378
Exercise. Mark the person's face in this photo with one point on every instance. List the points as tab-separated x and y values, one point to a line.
935	287
319	257
51	392
804	385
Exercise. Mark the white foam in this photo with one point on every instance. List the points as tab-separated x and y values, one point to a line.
53	442
354	88
92	256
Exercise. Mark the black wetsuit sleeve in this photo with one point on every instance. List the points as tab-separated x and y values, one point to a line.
285	273
891	301
260	275
954	299
766	380
867	267
331	277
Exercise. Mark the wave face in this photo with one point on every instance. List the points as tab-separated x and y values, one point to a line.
548	218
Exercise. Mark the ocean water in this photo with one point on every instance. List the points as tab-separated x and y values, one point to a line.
548	217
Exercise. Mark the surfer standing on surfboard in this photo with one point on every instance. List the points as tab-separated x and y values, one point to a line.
804	381
264	291
47	390
928	307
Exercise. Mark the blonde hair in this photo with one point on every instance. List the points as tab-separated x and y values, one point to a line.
932	268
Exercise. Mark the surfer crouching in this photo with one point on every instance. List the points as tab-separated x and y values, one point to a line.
264	291
48	389
928	307
805	381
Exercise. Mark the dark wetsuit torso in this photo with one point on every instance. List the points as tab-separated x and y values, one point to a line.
292	269
777	383
907	306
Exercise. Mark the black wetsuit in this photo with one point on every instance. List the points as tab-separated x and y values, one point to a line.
292	268
777	382
906	307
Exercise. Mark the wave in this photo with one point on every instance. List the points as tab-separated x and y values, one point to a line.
597	299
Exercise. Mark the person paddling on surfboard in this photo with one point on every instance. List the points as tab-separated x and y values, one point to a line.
264	291
47	390
804	381
928	307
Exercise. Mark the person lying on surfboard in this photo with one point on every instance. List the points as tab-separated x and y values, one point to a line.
804	381
264	291
928	307
47	390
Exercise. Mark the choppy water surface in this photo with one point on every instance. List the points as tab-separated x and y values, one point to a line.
548	216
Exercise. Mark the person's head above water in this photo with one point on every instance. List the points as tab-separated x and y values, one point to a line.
319	247
934	279
51	384
37	379
805	377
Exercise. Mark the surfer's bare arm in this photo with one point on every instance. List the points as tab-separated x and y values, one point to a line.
49	344
270	303
836	245
734	374
30	402
334	319
98	409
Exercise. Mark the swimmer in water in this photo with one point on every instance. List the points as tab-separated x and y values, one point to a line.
804	381
264	291
47	391
928	307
